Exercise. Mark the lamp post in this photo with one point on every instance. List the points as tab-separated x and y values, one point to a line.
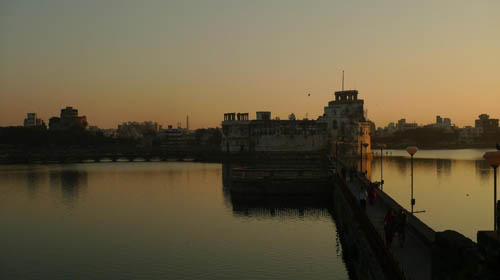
382	146
412	150
361	157
366	146
493	159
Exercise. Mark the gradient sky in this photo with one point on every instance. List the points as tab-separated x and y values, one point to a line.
124	60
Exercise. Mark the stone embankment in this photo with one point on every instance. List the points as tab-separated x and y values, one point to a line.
426	254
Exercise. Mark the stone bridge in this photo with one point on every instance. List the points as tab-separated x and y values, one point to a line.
130	155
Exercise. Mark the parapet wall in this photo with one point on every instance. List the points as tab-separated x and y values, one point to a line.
363	245
454	256
355	246
423	231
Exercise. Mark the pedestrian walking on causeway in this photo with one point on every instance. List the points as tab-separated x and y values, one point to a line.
389	227
401	226
362	198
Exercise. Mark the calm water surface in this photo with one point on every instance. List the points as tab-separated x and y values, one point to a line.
157	221
454	187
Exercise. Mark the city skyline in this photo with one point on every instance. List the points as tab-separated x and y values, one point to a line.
121	61
254	115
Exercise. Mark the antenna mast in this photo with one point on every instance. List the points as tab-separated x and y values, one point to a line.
342	80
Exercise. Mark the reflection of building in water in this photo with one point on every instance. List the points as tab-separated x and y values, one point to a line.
483	170
443	167
226	183
402	164
266	205
69	181
281	206
32	181
278	178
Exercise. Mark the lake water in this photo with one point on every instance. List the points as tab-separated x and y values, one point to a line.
163	220
454	187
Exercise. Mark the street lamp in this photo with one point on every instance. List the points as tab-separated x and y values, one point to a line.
366	154
412	150
382	146
361	155
493	159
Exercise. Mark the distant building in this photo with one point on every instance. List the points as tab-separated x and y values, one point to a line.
444	123
439	121
109	132
488	125
391	128
346	119
137	130
469	134
176	138
402	125
263	116
447	123
32	120
239	134
373	127
68	120
93	129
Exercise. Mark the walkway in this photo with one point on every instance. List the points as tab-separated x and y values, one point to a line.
415	257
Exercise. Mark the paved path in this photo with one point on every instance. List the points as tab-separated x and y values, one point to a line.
415	257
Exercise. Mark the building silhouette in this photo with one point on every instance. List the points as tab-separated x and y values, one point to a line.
240	134
346	121
488	125
32	120
68	120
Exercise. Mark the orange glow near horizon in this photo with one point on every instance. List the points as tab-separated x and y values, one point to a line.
127	61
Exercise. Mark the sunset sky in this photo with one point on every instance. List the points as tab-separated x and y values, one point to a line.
121	60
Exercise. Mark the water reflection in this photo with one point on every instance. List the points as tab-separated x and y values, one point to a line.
483	170
280	206
33	179
175	221
443	167
70	183
453	187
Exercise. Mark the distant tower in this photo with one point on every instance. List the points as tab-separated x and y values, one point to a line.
342	80
187	122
